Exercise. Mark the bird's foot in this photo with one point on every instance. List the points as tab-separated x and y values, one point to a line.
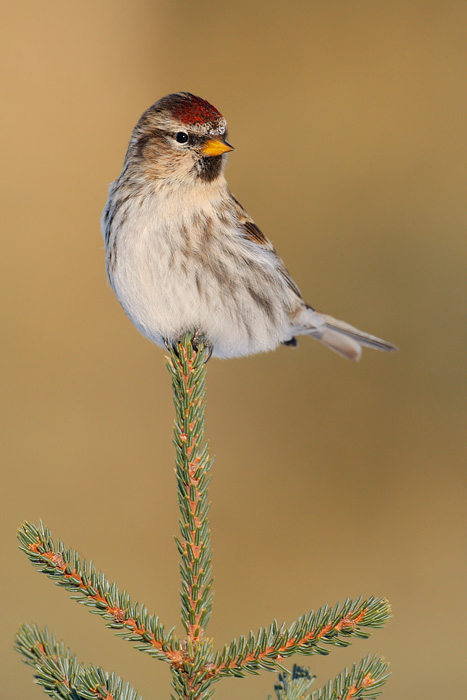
196	341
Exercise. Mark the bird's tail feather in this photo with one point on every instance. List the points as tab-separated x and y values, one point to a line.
345	346
346	339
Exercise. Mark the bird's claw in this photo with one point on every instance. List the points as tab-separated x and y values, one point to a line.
196	341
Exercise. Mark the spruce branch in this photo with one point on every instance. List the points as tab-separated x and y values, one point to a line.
91	588
57	669
194	665
307	635
188	372
59	673
192	676
364	680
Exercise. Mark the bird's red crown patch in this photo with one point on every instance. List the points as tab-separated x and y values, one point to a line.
195	110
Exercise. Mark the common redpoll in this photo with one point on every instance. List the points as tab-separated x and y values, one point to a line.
184	256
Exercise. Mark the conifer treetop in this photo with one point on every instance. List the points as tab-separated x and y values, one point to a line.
194	663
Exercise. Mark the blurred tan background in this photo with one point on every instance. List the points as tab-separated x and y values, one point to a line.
331	479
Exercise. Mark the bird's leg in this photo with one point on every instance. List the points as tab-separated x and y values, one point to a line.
199	340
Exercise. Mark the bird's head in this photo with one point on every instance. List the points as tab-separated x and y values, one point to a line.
180	140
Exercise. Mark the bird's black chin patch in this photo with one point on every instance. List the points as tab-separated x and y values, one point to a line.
208	169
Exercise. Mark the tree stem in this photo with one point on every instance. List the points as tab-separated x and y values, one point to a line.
188	371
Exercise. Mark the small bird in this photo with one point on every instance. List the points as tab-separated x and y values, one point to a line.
183	255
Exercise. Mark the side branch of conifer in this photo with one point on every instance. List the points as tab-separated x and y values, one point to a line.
57	670
91	588
362	682
309	634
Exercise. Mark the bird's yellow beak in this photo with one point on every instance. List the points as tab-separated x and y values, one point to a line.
216	147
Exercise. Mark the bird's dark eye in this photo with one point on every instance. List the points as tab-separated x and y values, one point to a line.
181	137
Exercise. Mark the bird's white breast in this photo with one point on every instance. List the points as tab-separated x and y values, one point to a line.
178	267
